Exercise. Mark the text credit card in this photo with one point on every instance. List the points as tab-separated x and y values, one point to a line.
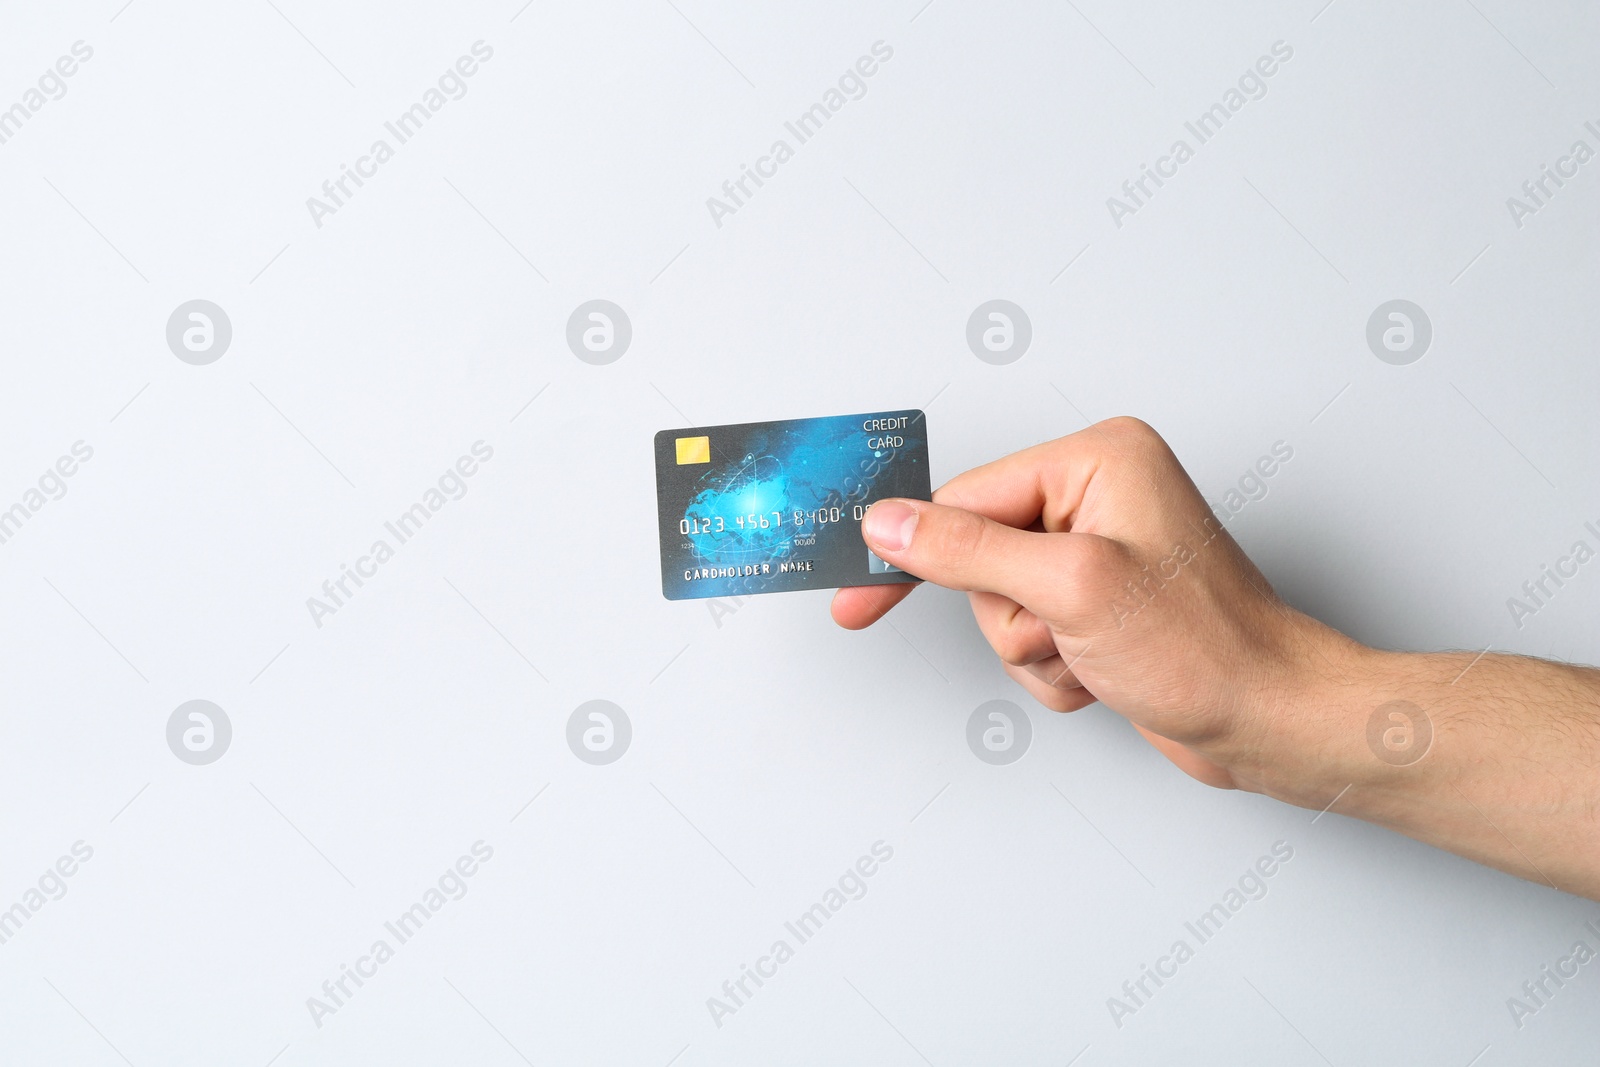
765	507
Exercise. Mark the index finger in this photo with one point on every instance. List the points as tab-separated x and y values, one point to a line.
855	607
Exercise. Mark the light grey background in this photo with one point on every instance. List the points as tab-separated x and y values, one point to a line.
769	750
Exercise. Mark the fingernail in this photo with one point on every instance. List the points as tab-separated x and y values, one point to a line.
888	524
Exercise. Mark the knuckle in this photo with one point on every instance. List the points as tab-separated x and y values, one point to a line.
1013	647
1084	564
962	539
1054	699
1130	430
953	494
1063	702
1136	441
1064	680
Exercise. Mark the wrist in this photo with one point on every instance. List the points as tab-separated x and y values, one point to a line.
1313	724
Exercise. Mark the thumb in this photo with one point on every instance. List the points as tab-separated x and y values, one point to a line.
961	549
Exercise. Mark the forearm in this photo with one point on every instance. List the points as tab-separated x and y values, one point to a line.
1510	776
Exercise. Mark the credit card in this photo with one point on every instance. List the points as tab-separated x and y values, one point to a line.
766	507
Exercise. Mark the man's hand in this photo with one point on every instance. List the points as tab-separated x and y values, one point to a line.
1097	572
